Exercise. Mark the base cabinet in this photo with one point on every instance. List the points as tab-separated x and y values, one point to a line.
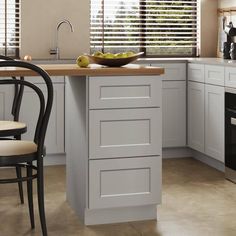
214	122
124	182
54	140
196	118
174	113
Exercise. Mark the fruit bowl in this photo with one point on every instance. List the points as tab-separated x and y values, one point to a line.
114	62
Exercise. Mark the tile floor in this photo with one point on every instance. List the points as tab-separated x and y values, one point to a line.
197	201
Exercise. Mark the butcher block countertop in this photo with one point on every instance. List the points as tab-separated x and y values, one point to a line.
92	70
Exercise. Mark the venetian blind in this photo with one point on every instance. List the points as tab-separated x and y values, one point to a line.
10	27
158	28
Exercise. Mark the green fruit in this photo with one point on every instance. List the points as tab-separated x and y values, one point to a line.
120	55
109	55
98	54
82	61
130	54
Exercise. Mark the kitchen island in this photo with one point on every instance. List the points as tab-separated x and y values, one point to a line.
113	140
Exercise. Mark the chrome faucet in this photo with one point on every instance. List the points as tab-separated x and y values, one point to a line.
56	51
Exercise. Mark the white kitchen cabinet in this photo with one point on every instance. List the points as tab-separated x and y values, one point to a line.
124	132
230	77
196	72
124	182
214	122
174	113
173	71
214	75
54	140
124	92
196	116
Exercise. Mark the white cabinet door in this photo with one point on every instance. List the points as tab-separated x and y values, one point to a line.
174	113
124	133
230	77
196	116
125	182
54	141
214	122
214	75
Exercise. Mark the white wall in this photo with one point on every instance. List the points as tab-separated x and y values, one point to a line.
39	20
226	3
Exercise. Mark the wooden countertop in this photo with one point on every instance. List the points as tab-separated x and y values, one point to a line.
92	70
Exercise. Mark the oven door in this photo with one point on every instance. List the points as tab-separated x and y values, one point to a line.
230	138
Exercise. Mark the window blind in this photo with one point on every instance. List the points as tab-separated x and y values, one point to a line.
158	28
10	27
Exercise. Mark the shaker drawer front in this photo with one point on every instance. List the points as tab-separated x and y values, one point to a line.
124	182
124	133
230	77
124	91
196	72
214	75
173	71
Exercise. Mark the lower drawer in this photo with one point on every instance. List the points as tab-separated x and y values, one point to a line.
125	182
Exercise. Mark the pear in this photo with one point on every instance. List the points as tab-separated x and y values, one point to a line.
109	55
82	61
98	54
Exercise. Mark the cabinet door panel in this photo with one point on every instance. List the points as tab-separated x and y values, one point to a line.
196	72
124	182
6	100
173	71
124	92
54	140
214	122
230	77
174	113
214	75
124	132
196	116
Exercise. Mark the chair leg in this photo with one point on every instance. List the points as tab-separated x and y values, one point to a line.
20	185
30	196
40	186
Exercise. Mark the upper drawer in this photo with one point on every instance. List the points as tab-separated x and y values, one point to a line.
196	72
230	77
173	71
214	75
39	80
124	91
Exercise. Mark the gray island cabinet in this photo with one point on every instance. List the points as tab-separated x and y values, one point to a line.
113	146
113	140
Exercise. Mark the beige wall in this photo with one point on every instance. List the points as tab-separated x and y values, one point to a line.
226	3
39	20
208	41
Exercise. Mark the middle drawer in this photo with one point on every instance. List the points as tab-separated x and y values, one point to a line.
124	92
124	133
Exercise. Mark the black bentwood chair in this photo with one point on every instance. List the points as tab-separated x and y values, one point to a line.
14	128
23	153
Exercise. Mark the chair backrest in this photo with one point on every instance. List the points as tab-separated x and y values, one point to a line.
18	93
45	107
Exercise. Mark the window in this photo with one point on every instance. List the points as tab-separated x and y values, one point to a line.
10	27
158	28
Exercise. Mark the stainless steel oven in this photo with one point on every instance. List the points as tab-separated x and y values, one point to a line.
230	134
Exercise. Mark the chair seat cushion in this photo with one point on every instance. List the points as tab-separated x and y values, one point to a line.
17	147
10	125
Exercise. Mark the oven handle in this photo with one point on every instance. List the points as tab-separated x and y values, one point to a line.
233	121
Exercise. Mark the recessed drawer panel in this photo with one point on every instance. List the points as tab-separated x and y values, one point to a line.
173	71
124	182
230	77
214	75
124	91
196	72
124	133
